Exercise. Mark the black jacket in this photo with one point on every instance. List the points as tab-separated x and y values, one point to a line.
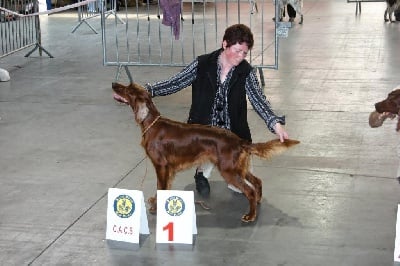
204	89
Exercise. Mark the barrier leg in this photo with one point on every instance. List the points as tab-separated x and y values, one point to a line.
80	23
80	15
115	14
40	49
128	73
38	40
254	7
358	7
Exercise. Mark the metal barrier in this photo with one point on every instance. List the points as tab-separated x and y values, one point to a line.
358	3
19	27
93	9
20	24
145	41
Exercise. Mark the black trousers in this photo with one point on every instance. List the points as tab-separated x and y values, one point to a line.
291	12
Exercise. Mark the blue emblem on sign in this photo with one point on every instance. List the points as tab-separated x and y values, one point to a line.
124	206
174	206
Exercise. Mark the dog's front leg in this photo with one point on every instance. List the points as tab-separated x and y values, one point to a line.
153	204
163	183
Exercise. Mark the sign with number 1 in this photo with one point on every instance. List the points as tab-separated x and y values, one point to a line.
176	217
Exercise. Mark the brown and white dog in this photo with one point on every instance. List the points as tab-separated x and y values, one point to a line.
391	6
388	108
173	146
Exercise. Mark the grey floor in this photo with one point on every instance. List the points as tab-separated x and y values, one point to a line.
330	201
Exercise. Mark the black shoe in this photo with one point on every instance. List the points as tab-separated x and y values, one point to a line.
202	185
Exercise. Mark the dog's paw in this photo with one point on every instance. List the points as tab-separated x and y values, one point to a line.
153	210
153	205
247	218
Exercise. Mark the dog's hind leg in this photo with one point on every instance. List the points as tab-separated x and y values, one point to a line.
251	196
233	177
257	184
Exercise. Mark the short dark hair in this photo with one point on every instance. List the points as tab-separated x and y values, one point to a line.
238	33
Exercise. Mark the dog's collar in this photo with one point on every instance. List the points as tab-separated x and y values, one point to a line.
152	123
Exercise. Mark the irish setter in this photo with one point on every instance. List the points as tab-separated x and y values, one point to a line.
388	108
173	146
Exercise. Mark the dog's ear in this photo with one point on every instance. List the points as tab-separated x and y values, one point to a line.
141	112
375	119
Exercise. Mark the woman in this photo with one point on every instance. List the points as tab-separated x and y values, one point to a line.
220	82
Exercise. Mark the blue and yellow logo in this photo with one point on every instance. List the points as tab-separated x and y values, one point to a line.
124	206
174	206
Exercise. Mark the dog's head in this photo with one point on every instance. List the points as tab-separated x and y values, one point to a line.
391	104
137	97
388	108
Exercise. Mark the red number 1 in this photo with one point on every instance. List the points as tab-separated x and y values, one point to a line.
170	228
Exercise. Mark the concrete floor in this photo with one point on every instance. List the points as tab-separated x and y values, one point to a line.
330	201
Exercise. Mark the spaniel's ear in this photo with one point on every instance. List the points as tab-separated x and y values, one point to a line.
141	112
375	119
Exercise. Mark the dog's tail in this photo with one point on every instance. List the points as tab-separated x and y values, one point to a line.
274	147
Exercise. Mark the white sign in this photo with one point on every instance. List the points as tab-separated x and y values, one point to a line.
126	215
282	32
176	217
397	241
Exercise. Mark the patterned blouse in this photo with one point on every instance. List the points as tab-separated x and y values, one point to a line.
219	114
